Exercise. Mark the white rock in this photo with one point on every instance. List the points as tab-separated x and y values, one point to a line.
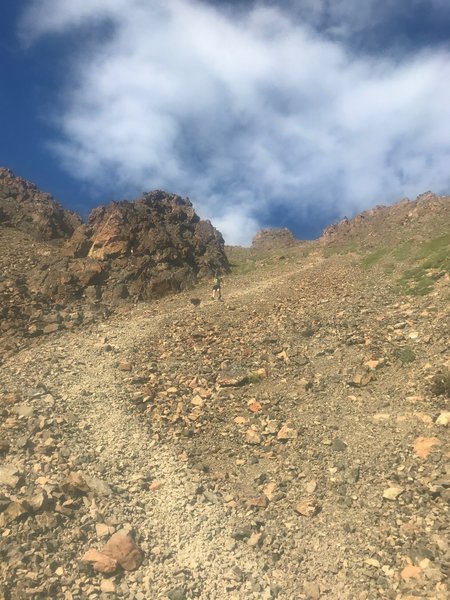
443	419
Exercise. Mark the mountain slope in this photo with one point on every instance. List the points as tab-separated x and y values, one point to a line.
288	442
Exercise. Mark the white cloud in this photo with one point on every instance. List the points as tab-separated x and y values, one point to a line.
241	113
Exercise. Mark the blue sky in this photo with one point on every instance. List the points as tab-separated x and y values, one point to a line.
264	113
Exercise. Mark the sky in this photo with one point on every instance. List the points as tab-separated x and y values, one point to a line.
264	113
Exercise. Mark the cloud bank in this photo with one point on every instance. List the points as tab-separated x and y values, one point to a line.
250	112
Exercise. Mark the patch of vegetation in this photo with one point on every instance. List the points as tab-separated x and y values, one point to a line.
331	250
248	260
371	259
406	354
434	259
404	250
253	377
440	384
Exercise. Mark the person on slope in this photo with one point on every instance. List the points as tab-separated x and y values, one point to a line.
217	287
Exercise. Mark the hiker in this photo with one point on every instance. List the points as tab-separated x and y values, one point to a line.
217	287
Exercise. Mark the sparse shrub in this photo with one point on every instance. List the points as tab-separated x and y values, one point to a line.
254	376
440	384
406	355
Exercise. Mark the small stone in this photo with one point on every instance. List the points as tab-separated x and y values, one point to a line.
338	445
373	364
107	586
177	594
125	366
362	379
269	490
254	406
392	493
373	562
423	446
37	501
308	507
255	540
443	419
258	502
312	590
14	511
9	476
252	437
311	486
98	486
156	485
287	433
242	533
103	530
411	572
23	410
198	401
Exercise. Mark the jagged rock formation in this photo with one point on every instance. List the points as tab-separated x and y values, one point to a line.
25	207
384	224
143	249
127	250
267	239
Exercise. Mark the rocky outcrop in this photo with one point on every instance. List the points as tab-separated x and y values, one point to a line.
267	239
25	207
143	249
384	224
56	272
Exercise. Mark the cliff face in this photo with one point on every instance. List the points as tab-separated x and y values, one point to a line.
24	207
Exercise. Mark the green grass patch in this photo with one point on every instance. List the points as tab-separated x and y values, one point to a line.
248	260
406	355
371	259
434	262
404	251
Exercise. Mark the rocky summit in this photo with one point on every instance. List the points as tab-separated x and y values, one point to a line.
290	441
267	239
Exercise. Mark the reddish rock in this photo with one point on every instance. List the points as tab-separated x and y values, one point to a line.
99	561
287	433
122	548
423	446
